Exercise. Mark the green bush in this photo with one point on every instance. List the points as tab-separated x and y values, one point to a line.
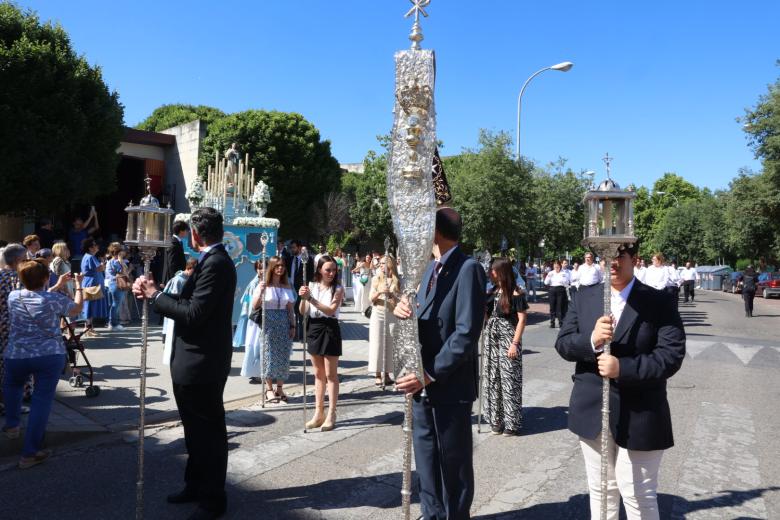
742	263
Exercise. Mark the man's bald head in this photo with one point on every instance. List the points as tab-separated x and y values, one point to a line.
448	224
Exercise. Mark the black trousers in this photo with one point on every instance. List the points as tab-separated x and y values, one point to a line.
688	286
203	416
674	292
559	303
748	297
443	456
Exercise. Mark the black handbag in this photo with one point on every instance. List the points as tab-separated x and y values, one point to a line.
257	316
367	312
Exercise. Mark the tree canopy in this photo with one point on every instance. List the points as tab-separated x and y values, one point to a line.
286	151
60	125
168	116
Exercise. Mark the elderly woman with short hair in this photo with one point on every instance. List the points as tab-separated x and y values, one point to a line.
35	348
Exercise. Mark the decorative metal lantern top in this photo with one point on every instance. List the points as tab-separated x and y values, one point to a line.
609	213
148	225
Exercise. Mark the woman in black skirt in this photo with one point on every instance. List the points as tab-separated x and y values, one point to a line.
321	301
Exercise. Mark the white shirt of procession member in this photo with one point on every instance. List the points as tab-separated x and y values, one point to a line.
656	277
590	274
639	273
674	277
689	274
574	277
617	304
559	279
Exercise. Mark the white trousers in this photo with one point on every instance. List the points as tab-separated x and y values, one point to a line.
632	474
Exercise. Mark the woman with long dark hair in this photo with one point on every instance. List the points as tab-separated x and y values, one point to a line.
503	387
321	301
278	298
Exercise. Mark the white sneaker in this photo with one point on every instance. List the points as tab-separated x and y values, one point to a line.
115	327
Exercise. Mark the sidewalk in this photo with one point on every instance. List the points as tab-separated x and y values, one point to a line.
115	357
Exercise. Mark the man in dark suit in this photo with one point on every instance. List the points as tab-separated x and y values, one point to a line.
295	269
200	362
175	260
647	347
450	314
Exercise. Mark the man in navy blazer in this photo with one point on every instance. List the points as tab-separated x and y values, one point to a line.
450	314
200	362
647	347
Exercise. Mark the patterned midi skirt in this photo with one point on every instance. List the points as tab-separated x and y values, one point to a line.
269	358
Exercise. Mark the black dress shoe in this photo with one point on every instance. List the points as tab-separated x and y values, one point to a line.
204	514
552	325
184	496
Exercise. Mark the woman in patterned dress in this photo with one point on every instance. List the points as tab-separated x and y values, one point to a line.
503	387
13	254
276	295
93	269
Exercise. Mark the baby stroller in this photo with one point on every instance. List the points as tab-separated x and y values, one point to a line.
75	349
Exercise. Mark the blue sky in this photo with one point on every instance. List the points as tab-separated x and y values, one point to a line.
656	84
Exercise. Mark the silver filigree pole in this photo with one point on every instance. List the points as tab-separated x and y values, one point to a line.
383	372
147	253
412	203
305	320
264	243
609	230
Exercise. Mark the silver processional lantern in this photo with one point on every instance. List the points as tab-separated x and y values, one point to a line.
148	228
609	230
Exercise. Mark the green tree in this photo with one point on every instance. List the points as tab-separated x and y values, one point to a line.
168	116
60	125
762	126
369	211
286	152
752	233
680	234
492	192
558	210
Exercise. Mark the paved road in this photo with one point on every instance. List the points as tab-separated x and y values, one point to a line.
725	463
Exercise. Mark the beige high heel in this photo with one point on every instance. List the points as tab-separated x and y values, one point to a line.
316	421
330	421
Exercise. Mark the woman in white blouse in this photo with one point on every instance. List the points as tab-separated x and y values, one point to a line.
558	281
275	293
657	275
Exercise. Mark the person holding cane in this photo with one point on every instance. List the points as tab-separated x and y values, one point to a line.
647	348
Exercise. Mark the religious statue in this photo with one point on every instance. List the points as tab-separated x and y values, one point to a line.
233	158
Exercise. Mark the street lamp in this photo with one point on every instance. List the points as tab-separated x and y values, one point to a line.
562	67
676	200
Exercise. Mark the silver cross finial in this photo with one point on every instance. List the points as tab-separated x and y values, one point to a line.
418	7
608	161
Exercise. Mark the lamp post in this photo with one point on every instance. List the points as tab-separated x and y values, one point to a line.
608	232
672	195
564	66
148	228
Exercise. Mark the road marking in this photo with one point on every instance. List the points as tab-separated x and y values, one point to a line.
721	476
744	352
695	347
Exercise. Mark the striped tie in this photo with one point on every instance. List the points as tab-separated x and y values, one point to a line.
434	276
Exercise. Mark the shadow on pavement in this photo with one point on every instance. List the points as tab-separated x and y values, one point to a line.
670	506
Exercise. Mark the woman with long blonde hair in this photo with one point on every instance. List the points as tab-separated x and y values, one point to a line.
384	288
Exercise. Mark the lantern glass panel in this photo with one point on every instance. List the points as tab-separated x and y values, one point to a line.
132	230
151	226
162	220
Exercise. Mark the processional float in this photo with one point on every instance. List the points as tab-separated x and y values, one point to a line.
412	199
608	232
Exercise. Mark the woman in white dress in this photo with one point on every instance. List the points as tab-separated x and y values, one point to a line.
361	285
385	287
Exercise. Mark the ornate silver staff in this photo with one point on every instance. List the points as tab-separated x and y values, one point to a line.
304	318
383	372
484	260
148	227
263	242
609	231
412	204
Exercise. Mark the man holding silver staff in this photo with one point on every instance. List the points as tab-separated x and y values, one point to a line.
450	313
200	362
647	347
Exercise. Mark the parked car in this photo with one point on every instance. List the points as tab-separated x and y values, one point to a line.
768	285
733	283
